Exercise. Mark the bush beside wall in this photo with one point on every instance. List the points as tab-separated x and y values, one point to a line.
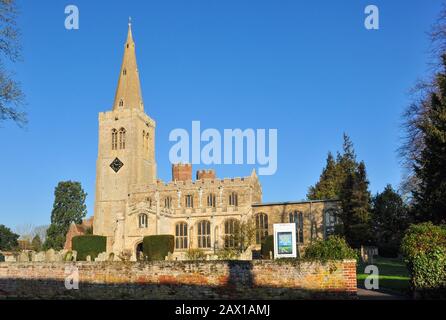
158	246
267	247
2	257
89	245
332	248
424	250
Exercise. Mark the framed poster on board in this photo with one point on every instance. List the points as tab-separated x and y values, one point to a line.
284	240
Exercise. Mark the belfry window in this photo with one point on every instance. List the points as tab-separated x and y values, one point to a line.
114	139
204	234
121	103
143	220
298	218
122	138
181	235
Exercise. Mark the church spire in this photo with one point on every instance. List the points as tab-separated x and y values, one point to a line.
128	94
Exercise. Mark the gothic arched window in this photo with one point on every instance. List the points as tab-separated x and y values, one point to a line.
232	227
122	138
181	235
114	139
298	218
143	220
261	227
204	234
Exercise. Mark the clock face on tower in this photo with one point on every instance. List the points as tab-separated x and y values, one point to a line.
116	165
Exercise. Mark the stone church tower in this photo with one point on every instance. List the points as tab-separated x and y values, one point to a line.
126	150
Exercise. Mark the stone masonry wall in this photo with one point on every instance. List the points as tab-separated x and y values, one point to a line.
180	280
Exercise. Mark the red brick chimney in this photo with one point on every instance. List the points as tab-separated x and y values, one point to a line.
181	172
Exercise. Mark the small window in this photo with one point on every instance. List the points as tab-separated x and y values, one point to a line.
143	220
233	199
211	200
124	72
168	202
121	103
189	201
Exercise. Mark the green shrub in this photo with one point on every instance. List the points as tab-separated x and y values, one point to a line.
158	246
2	257
333	248
89	245
267	246
195	254
228	254
424	250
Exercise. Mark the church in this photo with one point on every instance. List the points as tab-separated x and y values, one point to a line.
201	212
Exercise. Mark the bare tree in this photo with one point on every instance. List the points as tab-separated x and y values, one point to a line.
25	231
11	95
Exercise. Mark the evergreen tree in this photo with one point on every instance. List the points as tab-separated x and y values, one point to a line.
36	243
389	218
8	239
69	206
355	203
335	173
430	167
328	185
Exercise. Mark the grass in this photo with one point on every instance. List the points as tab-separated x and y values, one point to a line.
393	275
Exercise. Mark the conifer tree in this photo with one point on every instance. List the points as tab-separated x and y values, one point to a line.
355	203
430	167
69	206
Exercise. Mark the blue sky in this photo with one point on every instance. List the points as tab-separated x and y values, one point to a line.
307	68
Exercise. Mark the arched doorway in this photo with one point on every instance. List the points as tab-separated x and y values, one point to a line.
139	252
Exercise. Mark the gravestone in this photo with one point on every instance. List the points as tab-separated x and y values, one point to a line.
50	255
23	257
39	257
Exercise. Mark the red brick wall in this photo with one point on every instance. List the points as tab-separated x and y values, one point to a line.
182	280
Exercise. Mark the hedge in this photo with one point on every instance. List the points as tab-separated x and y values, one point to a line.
267	246
158	246
424	250
89	245
2	257
332	248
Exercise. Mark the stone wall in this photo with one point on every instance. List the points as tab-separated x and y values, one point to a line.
180	280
